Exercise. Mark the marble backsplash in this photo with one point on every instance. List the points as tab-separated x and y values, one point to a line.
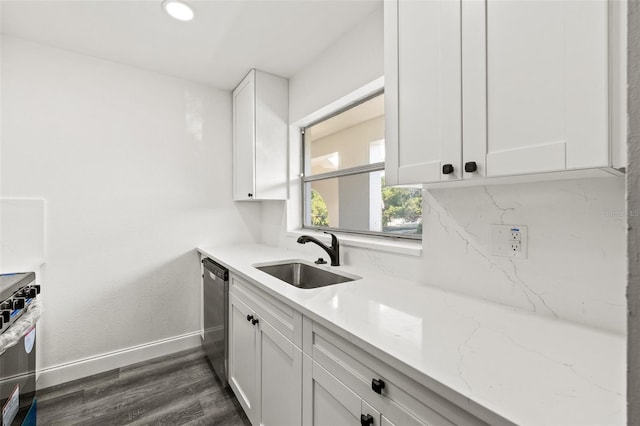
576	265
576	262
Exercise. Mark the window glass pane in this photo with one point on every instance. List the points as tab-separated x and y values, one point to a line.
350	139
362	202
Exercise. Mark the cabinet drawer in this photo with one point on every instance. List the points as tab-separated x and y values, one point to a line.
334	403
281	316
402	400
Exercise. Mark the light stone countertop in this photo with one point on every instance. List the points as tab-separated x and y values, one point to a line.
528	369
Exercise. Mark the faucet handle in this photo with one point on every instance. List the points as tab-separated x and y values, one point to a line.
334	239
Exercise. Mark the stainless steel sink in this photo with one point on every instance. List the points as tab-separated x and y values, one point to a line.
303	275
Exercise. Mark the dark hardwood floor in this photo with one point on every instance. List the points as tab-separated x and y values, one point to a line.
180	389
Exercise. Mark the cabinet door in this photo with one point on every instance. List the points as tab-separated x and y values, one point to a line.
333	403
386	422
535	85
244	138
243	356
271	134
422	90
281	378
397	415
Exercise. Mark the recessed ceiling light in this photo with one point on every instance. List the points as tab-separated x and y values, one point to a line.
178	9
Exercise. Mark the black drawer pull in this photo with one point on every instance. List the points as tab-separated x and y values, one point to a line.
470	167
377	385
447	169
255	321
366	420
249	317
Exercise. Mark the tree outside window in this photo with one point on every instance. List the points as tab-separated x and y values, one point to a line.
319	212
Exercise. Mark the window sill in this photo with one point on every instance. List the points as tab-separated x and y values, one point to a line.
411	248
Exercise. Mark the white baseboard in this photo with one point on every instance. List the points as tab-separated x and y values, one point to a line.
66	372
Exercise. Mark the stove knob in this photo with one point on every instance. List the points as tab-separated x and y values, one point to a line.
6	316
31	292
18	303
37	287
6	305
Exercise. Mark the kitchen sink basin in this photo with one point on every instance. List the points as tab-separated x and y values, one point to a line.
303	275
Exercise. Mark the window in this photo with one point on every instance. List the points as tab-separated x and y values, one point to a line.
343	179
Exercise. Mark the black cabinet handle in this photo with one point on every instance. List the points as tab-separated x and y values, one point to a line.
250	195
470	166
366	419
249	317
377	385
255	321
447	169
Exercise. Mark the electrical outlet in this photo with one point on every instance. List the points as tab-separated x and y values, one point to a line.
509	241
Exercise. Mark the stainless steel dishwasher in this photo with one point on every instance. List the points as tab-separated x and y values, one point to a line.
216	305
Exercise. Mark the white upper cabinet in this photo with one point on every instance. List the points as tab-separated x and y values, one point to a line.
260	131
545	93
422	91
487	88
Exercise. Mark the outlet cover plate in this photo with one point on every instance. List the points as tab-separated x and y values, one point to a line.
502	237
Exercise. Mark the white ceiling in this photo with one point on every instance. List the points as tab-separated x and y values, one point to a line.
225	39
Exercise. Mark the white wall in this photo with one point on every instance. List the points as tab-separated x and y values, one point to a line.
341	69
135	169
576	264
21	233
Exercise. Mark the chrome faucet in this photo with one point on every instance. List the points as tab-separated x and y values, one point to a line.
333	251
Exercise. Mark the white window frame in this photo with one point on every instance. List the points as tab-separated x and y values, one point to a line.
364	169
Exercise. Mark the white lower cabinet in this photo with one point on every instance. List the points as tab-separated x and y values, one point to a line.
265	368
332	382
243	353
333	403
363	385
386	422
280	380
360	389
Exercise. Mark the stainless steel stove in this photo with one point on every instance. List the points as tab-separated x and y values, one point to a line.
18	305
16	293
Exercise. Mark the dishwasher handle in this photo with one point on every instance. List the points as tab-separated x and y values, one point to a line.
216	269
